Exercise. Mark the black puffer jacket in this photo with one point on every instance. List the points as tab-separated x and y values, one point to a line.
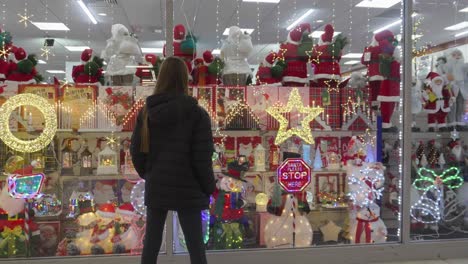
178	168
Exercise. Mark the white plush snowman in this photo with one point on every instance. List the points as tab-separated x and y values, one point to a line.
279	229
368	227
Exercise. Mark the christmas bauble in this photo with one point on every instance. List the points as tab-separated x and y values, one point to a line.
137	198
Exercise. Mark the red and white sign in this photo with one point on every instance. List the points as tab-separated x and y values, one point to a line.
294	175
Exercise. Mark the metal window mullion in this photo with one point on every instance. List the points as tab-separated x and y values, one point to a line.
407	119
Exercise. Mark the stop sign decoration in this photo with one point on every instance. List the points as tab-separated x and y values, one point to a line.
294	175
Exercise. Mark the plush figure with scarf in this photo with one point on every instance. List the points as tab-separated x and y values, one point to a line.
234	52
291	229
103	232
122	51
126	231
295	67
185	46
228	220
90	69
22	69
6	41
368	227
438	98
207	70
457	71
149	68
270	70
326	56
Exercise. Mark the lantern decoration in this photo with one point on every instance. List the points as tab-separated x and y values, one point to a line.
274	157
47	205
38	160
108	161
137	198
261	200
259	158
69	156
86	162
25	186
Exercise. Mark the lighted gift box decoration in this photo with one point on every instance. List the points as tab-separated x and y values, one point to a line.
108	161
86	162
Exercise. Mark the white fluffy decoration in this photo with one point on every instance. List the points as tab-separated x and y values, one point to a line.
235	51
357	80
11	205
279	229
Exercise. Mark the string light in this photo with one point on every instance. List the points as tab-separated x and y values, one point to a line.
25	17
427	178
46	52
137	198
25	187
50	123
112	140
4	51
366	185
294	102
427	208
237	110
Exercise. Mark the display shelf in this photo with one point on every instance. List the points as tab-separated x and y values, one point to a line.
93	177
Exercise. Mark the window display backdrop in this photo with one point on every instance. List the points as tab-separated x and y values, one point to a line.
306	103
295	88
438	174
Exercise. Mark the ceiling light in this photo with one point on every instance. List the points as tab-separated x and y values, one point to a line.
86	10
352	56
300	19
464	10
56	71
152	50
319	21
392	24
139	66
378	3
415	36
102	14
216	52
50	26
76	48
263	1
352	62
41	62
318	34
458	26
248	30
461	34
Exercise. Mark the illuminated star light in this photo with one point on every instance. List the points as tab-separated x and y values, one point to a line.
333	89
25	18
310	54
304	131
112	140
368	137
4	52
46	52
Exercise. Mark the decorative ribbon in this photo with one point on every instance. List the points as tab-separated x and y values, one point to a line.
9	237
364	225
428	179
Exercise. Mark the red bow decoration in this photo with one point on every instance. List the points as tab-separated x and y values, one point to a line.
364	225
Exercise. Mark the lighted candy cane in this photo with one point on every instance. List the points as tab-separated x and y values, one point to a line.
430	181
294	219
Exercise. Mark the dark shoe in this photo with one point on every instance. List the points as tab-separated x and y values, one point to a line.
416	129
390	130
460	128
431	129
444	129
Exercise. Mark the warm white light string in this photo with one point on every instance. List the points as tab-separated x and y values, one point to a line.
400	134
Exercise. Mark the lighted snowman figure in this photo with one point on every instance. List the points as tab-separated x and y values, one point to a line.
86	220
368	227
126	237
280	231
103	232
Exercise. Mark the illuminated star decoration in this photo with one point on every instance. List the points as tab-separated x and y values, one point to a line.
349	108
112	140
454	134
4	50
368	138
25	18
46	52
332	89
310	54
304	131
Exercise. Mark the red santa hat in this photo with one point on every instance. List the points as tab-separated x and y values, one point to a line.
126	210
305	27
151	58
198	61
327	36
432	77
179	32
106	210
208	56
20	54
384	35
296	34
86	55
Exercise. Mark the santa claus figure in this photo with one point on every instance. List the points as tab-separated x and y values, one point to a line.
295	72
184	45
235	51
371	59
206	70
266	72
21	69
149	69
90	70
456	70
122	50
326	56
438	99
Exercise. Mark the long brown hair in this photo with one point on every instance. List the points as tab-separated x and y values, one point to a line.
172	79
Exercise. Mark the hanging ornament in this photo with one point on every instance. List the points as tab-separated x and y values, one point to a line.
25	18
46	52
137	198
